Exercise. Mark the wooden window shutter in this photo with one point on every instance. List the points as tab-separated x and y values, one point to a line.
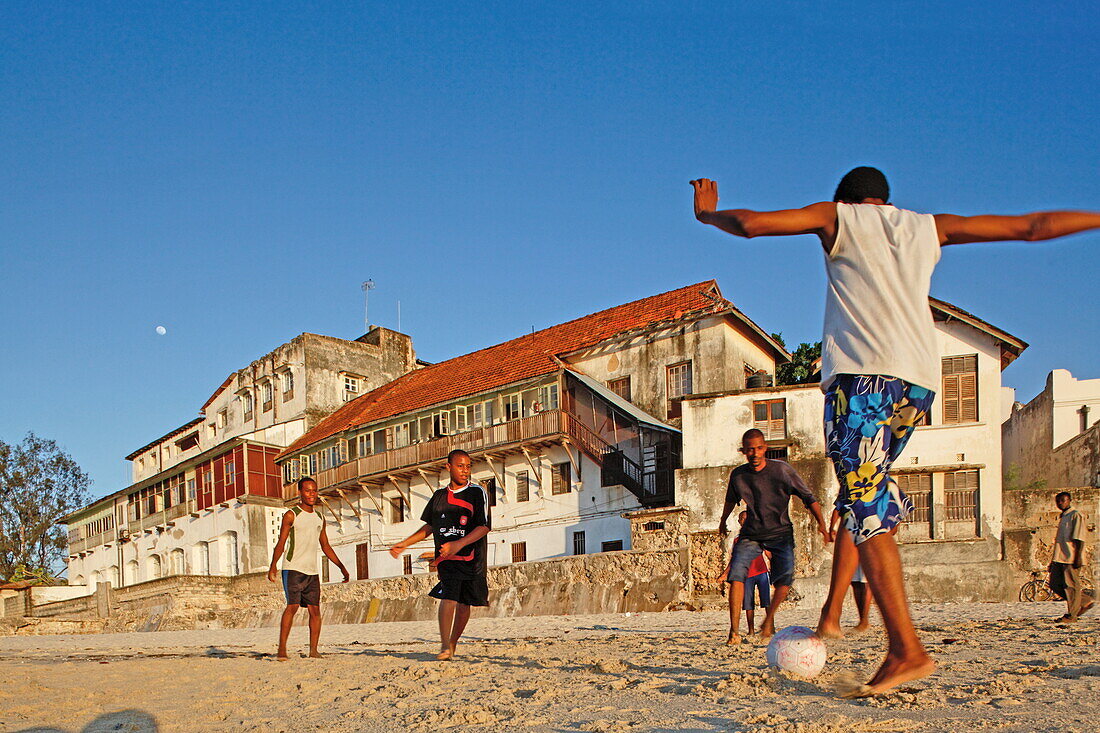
303	462
362	552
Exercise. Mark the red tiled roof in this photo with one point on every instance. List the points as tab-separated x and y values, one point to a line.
528	356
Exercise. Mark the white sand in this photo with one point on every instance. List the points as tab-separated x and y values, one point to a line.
1001	666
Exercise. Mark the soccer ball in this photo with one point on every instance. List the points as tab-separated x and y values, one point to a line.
797	649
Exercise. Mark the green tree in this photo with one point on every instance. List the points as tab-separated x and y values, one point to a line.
39	484
801	368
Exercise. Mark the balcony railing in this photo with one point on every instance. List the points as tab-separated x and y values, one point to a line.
513	432
157	519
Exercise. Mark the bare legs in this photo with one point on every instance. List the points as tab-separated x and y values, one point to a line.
906	658
287	621
452	622
862	595
284	630
736	596
767	628
845	562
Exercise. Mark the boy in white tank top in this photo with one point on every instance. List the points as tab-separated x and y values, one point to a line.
301	533
879	368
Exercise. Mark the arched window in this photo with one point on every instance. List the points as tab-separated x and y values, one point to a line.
232	557
132	572
112	574
153	567
176	562
202	558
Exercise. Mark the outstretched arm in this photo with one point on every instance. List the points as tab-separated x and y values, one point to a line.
1025	228
284	532
819	219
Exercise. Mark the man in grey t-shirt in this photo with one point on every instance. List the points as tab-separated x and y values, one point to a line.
1069	558
766	487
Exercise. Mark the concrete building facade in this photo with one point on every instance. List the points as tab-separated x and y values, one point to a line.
1054	440
951	467
206	497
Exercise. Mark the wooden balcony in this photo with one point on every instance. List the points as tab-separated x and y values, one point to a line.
161	518
511	435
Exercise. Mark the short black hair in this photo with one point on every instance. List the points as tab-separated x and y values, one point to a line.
456	452
303	479
752	433
862	183
1065	494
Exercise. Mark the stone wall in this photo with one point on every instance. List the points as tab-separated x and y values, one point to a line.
1031	520
611	582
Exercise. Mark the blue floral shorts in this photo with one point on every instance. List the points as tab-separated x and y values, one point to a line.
868	421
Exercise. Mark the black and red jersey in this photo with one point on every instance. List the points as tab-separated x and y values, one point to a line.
454	514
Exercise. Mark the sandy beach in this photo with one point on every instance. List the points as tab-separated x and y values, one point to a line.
1001	667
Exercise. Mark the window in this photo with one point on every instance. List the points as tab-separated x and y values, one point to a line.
362	552
175	562
548	396
401	435
397	510
620	387
363	444
918	487
324	461
407	564
442	423
288	385
188	442
960	495
770	418
611	546
477	415
190	489
460	418
230	472
247	403
653	526
223	418
519	552
267	395
490	486
678	378
512	407
523	486
232	557
578	543
351	386
561	478
960	389
777	454
312	464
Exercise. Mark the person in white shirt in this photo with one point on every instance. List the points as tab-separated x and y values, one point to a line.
879	365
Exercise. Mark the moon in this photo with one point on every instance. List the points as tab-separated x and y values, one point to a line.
161	330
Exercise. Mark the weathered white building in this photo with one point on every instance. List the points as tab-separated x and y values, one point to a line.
568	428
951	467
1055	438
206	497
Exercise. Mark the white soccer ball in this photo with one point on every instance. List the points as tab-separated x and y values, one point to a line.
798	650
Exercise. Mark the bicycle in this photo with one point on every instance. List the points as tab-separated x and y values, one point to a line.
1038	589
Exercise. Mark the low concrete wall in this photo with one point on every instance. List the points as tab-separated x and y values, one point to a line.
599	583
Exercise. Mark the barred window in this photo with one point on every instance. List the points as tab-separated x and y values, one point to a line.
918	487
960	495
519	552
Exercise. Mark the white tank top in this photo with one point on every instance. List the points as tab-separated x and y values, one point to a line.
877	317
303	546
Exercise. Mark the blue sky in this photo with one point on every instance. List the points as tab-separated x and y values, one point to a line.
234	171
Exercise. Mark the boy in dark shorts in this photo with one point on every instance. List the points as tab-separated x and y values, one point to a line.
457	517
758	584
301	533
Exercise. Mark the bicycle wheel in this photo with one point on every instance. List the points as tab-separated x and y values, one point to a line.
1033	590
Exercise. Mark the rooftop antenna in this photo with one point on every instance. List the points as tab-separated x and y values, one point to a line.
367	287
399	316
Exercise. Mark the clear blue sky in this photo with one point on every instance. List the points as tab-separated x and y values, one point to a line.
233	171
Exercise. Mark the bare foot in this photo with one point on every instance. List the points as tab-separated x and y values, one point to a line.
827	630
767	632
858	628
892	673
1086	608
281	657
316	654
444	655
734	639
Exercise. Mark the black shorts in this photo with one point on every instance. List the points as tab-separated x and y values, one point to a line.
301	589
465	589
